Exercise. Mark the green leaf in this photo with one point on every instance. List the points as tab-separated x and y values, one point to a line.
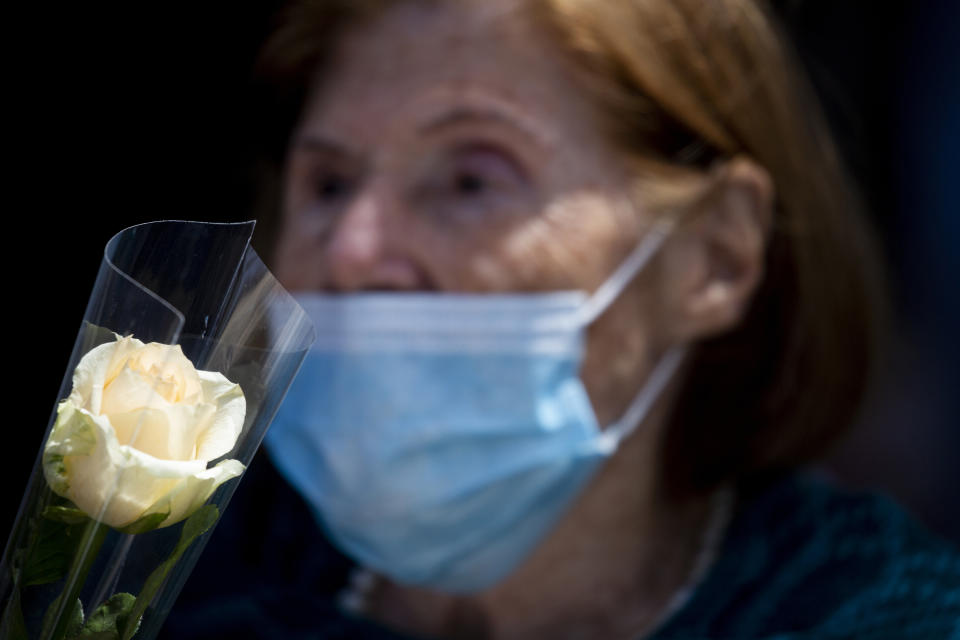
51	551
73	616
59	624
108	619
75	619
194	527
12	625
66	515
146	523
197	525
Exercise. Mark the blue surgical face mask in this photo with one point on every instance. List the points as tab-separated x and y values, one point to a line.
439	437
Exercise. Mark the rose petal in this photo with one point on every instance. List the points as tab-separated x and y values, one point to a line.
190	493
169	434
110	482
68	437
140	482
172	370
193	421
130	391
231	408
97	366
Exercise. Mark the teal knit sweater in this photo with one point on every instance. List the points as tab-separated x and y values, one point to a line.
804	560
801	560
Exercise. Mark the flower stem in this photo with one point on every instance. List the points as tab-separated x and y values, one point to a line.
58	615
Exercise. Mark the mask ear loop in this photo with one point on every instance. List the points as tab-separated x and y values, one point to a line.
604	296
668	364
635	414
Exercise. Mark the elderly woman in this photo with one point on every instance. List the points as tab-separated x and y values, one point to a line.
589	284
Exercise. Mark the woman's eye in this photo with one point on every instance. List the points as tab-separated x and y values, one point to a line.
473	182
478	171
333	187
469	184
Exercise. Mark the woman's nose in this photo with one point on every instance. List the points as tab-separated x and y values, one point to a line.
367	249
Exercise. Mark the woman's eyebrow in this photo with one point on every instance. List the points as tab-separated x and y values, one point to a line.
461	115
315	143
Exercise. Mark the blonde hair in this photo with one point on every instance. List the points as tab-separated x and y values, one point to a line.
685	83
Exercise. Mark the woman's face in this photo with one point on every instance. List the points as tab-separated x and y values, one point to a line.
450	149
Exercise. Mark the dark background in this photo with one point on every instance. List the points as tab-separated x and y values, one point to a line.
123	114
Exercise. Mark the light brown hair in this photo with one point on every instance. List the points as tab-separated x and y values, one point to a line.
686	83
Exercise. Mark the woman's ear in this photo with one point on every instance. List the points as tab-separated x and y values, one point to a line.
715	261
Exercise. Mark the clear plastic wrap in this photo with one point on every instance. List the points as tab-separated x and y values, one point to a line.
146	441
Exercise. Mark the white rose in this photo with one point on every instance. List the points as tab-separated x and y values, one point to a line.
181	419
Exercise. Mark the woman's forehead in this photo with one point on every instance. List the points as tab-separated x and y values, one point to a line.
416	63
410	30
